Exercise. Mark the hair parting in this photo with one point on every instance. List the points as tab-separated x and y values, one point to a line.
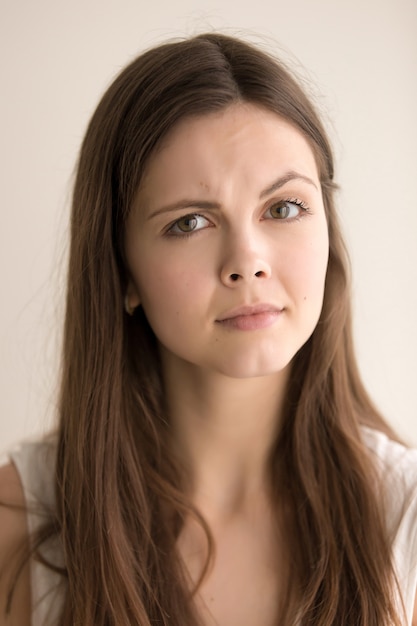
121	494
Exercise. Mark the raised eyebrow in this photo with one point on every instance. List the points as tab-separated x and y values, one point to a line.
184	204
284	179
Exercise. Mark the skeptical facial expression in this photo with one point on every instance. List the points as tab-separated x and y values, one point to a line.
227	243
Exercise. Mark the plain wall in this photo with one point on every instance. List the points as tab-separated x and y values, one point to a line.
57	58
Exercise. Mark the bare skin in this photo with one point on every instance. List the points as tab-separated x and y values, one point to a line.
227	254
243	568
13	536
227	458
242	585
212	230
229	216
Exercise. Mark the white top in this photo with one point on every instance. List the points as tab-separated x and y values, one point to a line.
35	463
398	465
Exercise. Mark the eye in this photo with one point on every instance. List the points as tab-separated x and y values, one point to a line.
286	209
188	224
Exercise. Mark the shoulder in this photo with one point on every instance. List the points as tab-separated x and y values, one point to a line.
397	468
35	463
394	460
13	538
396	465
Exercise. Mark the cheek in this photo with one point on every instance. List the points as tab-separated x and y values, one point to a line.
307	266
173	288
318	257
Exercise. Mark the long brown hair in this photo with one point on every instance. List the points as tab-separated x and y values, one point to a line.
120	502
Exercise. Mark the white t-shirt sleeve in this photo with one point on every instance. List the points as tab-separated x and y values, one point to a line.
398	467
35	463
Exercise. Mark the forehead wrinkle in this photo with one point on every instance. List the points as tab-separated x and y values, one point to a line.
218	162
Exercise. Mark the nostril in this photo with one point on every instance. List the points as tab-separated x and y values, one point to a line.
234	277
258	274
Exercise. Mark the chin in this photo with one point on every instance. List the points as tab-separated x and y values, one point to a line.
245	368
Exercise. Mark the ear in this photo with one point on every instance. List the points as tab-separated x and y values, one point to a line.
132	298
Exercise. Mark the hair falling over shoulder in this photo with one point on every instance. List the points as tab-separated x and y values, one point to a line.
120	499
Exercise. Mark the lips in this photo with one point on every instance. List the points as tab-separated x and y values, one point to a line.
251	317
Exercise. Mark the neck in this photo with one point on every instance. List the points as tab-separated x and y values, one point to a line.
223	431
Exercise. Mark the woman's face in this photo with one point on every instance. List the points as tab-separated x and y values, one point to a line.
227	243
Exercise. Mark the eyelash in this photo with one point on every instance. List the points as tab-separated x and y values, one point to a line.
182	235
170	233
299	203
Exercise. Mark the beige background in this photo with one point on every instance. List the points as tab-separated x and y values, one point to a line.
56	60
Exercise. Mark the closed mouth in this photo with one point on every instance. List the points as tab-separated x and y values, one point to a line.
249	311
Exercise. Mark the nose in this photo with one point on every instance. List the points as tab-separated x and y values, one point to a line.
243	262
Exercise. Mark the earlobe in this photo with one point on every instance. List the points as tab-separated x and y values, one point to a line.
132	300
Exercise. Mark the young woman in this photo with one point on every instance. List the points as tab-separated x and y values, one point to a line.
217	460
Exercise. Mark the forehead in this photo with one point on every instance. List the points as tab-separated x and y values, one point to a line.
242	140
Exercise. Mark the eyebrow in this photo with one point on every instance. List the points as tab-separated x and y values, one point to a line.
203	204
283	180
